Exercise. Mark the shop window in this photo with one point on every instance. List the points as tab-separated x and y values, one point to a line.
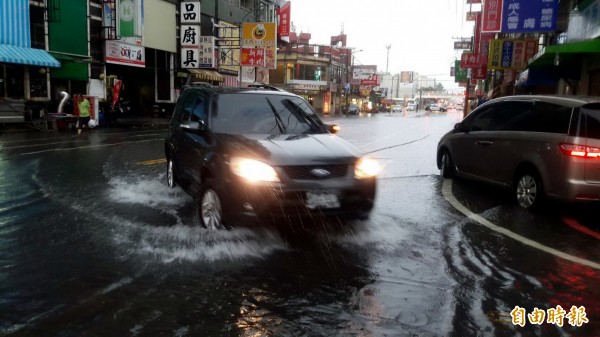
36	26
38	82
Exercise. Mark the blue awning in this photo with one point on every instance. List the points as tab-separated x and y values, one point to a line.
28	56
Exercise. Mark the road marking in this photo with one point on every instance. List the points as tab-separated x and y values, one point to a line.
152	162
577	226
92	146
447	192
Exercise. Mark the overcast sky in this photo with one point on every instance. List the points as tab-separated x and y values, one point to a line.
420	32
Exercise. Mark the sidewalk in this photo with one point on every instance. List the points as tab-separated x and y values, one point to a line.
132	122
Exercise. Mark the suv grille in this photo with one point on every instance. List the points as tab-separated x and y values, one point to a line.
315	171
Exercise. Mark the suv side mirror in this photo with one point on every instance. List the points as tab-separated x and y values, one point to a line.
193	126
460	127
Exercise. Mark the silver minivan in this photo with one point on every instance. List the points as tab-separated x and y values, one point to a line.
538	146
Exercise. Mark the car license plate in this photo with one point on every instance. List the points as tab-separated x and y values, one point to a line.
322	199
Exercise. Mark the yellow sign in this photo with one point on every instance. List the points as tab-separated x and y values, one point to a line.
259	34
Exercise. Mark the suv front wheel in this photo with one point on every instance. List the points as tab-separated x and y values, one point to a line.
211	211
171	173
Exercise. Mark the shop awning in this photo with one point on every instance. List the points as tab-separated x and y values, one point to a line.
28	56
567	53
205	74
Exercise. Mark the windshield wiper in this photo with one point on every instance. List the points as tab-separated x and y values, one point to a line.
279	122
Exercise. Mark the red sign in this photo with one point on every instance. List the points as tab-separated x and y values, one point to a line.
371	81
116	92
253	57
484	46
479	72
284	12
468	60
492	16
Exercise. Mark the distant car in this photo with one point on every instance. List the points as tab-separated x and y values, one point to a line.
397	108
538	146
411	107
443	108
353	109
434	107
246	154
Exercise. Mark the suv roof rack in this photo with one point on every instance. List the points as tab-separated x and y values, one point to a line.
264	86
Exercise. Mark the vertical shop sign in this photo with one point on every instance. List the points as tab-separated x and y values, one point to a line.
460	75
283	29
189	12
189	16
507	53
492	16
206	55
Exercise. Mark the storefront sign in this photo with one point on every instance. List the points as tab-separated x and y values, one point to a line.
206	56
519	16
190	36
373	80
189	12
261	35
253	57
459	74
468	59
462	44
479	72
283	29
471	16
130	18
511	53
123	53
309	87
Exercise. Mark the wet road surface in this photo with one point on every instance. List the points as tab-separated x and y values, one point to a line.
93	243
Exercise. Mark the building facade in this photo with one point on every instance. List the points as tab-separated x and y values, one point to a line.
125	48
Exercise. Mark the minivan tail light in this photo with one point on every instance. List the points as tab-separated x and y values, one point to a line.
579	151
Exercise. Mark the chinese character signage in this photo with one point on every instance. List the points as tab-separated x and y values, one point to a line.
283	29
261	35
462	44
519	16
189	12
468	59
122	53
459	73
190	35
511	53
253	57
206	55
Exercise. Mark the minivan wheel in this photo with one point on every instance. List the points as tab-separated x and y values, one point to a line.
211	212
528	190
447	166
170	174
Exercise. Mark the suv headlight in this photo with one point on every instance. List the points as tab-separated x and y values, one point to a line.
366	167
253	170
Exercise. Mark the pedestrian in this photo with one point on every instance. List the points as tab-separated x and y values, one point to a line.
84	114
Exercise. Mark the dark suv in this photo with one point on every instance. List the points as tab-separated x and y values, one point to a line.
540	146
260	152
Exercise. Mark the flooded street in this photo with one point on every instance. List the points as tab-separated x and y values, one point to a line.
93	243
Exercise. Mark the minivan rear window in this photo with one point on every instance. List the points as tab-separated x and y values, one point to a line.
591	120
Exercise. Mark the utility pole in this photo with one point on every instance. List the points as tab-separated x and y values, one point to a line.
388	58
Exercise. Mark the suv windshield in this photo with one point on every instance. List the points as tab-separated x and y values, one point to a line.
263	114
